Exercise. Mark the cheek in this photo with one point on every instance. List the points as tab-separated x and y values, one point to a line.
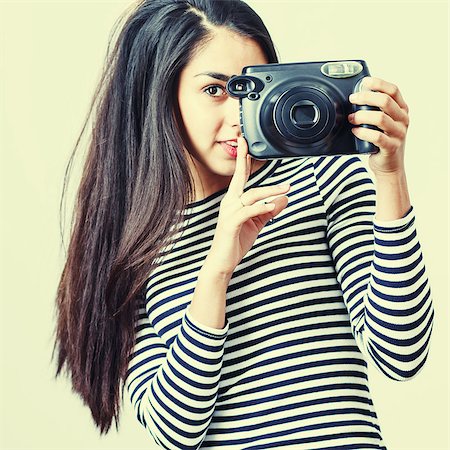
201	121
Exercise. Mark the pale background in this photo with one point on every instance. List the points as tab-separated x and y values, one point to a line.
51	55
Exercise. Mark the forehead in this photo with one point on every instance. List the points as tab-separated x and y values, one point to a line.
226	52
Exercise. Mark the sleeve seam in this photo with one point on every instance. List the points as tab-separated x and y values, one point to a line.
396	228
220	333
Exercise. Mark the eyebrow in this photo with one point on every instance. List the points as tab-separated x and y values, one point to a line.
216	75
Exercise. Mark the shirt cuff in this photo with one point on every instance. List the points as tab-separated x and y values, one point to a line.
204	330
394	226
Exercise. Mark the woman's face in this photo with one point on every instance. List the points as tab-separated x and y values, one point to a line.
209	115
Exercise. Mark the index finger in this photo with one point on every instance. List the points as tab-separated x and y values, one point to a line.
377	84
242	169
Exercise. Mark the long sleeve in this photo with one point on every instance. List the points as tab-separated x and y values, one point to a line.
173	388
380	268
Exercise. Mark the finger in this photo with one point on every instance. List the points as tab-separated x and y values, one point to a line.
385	102
377	84
377	138
259	210
241	171
263	193
379	119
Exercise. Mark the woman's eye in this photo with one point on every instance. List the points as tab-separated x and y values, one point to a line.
214	91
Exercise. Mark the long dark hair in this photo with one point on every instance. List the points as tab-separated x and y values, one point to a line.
135	183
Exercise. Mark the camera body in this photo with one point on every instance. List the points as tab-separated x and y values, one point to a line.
300	109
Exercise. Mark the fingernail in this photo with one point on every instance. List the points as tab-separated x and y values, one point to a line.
283	186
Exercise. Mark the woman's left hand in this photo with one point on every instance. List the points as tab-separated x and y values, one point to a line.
393	120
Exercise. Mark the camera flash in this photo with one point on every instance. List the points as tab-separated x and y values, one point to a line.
343	69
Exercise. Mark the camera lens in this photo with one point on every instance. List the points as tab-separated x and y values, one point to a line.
304	114
301	116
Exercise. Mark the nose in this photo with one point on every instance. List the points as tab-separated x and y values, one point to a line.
232	112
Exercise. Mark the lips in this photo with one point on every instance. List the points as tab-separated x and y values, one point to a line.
229	148
232	142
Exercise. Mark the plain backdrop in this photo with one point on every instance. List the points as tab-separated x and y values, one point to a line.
51	57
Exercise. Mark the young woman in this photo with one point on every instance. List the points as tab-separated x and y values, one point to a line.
229	322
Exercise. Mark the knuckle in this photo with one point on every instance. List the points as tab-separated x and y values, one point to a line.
386	101
406	121
379	139
382	119
394	145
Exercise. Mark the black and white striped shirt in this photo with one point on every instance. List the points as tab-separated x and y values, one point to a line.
325	289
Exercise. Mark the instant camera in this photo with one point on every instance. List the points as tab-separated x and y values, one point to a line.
300	109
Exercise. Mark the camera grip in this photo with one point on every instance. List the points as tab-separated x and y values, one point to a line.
367	108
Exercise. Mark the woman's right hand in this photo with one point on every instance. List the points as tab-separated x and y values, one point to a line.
238	226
